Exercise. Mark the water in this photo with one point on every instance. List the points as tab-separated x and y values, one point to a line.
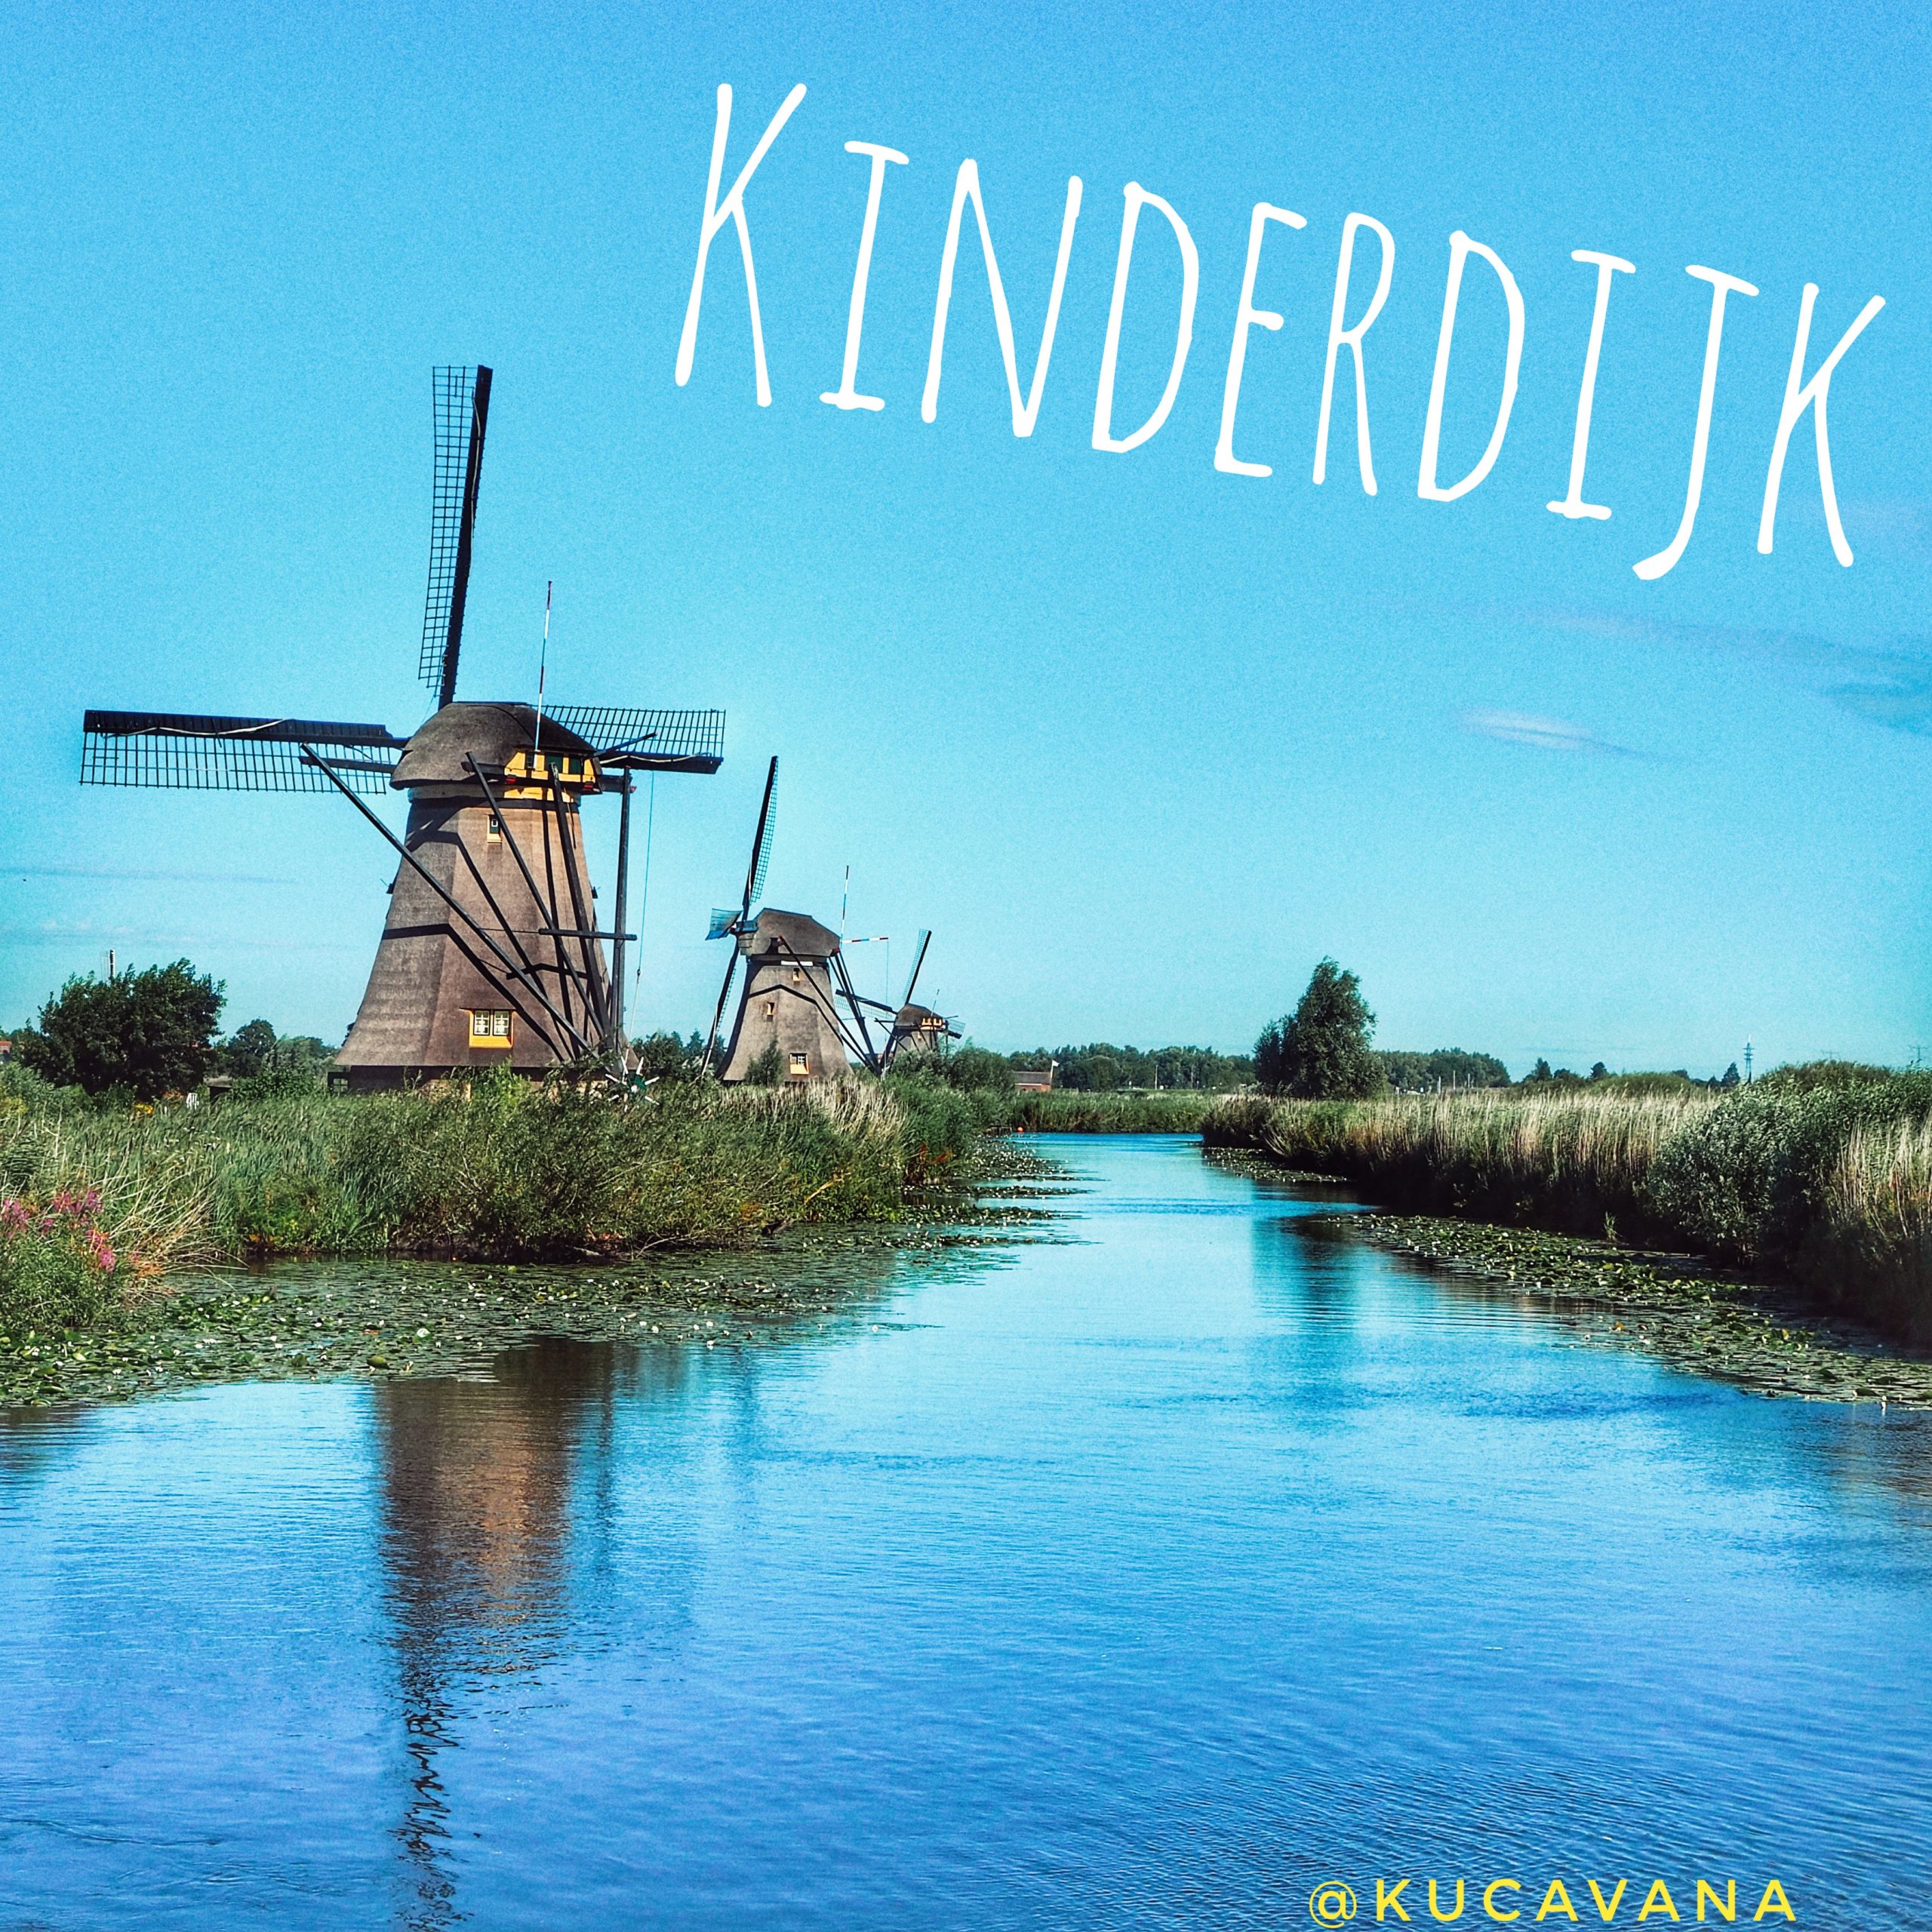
1146	1580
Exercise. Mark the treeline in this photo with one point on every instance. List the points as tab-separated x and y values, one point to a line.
1103	1068
136	1036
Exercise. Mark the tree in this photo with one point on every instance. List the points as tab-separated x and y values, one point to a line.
1446	1066
249	1049
151	1032
664	1057
1730	1075
971	1067
1321	1051
767	1069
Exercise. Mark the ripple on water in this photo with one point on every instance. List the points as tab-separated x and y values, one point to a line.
1142	1578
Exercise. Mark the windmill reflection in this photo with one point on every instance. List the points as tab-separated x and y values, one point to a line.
484	1485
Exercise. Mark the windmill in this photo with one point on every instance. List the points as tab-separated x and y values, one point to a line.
916	1030
491	953
794	979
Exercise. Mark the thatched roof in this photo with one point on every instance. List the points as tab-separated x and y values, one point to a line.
490	733
796	934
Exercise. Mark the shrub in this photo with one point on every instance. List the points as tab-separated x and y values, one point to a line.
58	1269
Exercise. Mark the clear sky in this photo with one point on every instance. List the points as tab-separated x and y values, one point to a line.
1140	740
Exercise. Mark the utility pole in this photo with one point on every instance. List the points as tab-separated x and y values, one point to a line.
618	1037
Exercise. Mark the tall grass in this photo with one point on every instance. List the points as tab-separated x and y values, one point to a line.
1552	1160
503	1169
1827	1181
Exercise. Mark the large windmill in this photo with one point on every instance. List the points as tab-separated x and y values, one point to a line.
492	954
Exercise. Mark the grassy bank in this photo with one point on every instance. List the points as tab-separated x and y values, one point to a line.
97	1206
1108	1113
1823	1176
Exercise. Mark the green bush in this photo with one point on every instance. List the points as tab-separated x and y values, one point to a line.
1750	1180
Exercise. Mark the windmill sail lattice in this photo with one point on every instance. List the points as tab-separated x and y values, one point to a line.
647	740
462	412
189	753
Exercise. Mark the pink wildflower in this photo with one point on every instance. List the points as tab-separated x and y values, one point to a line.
103	1255
14	1215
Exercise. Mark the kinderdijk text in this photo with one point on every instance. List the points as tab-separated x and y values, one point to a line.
1801	393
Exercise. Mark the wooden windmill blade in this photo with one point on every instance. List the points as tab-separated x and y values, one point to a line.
735	928
462	410
919	960
629	739
185	751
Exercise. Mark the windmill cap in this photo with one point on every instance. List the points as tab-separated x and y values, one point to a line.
491	734
797	934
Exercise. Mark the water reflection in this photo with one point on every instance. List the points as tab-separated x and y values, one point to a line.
481	1483
1120	1584
515	1524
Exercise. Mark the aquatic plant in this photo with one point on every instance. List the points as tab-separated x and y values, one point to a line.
1564	1160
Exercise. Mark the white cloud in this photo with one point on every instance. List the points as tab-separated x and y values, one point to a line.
1547	735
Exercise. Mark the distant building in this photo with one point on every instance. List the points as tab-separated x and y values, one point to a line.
6	1048
1033	1079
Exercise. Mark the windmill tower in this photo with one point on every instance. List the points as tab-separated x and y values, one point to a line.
794	980
492	953
790	1002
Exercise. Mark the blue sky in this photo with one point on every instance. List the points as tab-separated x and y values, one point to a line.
1141	741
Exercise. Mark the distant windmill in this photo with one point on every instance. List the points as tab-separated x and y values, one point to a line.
916	1030
491	954
795	981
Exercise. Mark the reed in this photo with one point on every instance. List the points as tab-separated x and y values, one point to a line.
502	1169
1571	1164
1827	1183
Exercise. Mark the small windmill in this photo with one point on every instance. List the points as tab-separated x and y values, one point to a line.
492	953
916	1030
795	979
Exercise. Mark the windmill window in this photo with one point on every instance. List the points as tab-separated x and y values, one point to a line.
800	1064
495	834
771	1009
798	976
490	1026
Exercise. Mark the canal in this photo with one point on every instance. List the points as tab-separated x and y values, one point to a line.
1149	1575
